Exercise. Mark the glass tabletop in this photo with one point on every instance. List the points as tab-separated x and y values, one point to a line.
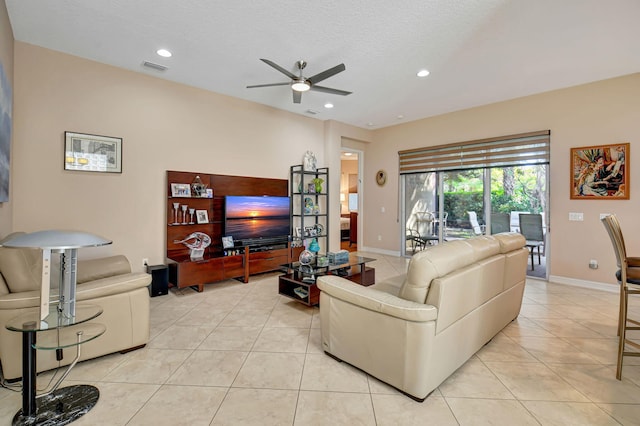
30	320
313	268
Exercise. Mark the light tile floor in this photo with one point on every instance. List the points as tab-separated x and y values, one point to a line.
240	354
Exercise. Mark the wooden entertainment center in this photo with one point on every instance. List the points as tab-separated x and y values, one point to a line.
217	263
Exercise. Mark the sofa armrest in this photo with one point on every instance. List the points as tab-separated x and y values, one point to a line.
112	285
375	300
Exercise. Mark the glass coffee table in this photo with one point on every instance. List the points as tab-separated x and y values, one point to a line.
299	281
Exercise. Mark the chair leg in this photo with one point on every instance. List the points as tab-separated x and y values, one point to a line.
531	251
539	255
620	320
622	330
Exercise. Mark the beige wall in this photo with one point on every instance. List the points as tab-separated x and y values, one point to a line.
604	112
6	58
164	126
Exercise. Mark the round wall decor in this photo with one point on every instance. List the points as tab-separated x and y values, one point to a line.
381	177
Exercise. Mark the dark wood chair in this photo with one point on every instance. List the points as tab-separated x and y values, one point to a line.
628	276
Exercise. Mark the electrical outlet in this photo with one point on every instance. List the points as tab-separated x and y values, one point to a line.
379	237
145	261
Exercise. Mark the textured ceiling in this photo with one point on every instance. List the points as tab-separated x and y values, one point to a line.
478	51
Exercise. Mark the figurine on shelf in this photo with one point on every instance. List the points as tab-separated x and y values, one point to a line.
309	162
199	188
184	214
197	242
176	206
308	205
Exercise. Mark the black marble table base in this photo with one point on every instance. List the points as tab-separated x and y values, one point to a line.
61	407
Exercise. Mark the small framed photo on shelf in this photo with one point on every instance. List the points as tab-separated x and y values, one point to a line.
180	190
311	188
227	242
92	153
297	232
202	216
310	231
209	193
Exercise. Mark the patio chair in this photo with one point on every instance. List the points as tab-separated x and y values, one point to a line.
531	228
628	276
477	228
500	222
422	233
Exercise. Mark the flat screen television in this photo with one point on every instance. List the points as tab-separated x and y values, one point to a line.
256	217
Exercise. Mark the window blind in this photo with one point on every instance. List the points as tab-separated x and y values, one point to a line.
504	151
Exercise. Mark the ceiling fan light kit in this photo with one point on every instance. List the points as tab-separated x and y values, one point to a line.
300	83
300	86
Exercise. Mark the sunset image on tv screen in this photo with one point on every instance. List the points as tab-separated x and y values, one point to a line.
256	217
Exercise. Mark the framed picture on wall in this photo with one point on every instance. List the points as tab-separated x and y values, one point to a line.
180	190
92	153
600	172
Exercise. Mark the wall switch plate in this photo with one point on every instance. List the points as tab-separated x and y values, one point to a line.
579	217
603	215
593	264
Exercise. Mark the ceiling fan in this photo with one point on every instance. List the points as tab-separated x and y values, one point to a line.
300	83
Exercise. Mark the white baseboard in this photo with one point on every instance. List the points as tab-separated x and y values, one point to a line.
379	250
594	285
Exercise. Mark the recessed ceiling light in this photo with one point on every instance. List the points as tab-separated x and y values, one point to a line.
164	53
370	124
400	117
423	73
348	154
328	105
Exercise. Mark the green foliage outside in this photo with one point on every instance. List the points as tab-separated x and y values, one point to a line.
512	189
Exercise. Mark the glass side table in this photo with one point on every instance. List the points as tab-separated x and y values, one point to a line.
61	324
57	406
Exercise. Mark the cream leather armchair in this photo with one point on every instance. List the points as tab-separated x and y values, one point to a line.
106	282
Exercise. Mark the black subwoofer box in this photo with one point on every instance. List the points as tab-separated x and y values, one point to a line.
159	280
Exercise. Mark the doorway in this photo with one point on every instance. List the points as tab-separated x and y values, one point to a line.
350	198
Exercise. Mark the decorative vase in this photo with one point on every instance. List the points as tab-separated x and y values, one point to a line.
314	247
306	257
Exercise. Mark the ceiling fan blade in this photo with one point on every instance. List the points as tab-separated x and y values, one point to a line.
329	90
279	68
268	85
327	73
297	97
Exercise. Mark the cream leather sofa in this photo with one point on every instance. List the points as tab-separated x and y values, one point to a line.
414	330
106	282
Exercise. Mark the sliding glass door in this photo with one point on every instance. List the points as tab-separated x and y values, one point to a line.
448	205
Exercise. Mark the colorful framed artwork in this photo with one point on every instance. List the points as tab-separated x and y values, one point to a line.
92	153
600	172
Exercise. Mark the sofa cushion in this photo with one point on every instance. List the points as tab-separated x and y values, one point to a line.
95	269
484	246
21	268
3	286
431	263
510	241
